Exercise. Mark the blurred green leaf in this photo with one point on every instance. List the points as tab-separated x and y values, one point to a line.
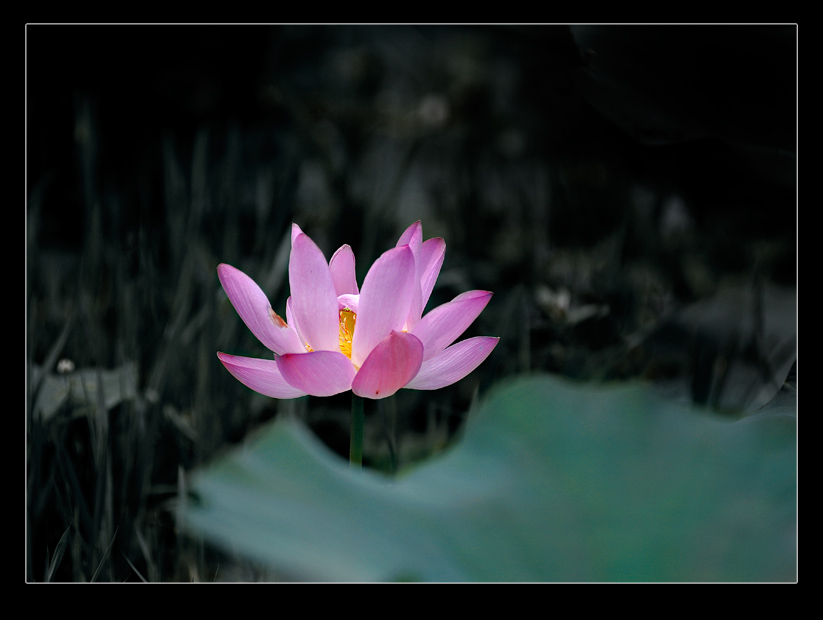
551	481
82	389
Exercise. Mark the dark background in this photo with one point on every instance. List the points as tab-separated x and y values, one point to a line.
628	193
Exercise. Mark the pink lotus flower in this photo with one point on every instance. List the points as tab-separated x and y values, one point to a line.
339	337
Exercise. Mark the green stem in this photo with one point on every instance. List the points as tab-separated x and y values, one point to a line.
357	423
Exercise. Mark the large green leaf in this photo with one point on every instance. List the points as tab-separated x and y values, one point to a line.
551	481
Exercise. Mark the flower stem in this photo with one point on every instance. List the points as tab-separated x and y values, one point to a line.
357	423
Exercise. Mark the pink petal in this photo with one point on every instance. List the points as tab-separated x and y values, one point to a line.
384	300
352	302
415	306
412	236
260	375
342	270
292	321
453	363
321	373
390	366
253	307
443	325
295	230
313	300
432	253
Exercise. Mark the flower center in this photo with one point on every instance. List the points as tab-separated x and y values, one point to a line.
347	321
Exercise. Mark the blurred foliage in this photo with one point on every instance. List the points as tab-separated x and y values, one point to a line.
551	481
627	193
83	389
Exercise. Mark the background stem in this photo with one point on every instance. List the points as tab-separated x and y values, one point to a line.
357	423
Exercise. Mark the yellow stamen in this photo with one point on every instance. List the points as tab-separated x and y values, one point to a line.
347	321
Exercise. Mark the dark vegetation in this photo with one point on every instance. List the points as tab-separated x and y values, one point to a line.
628	193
